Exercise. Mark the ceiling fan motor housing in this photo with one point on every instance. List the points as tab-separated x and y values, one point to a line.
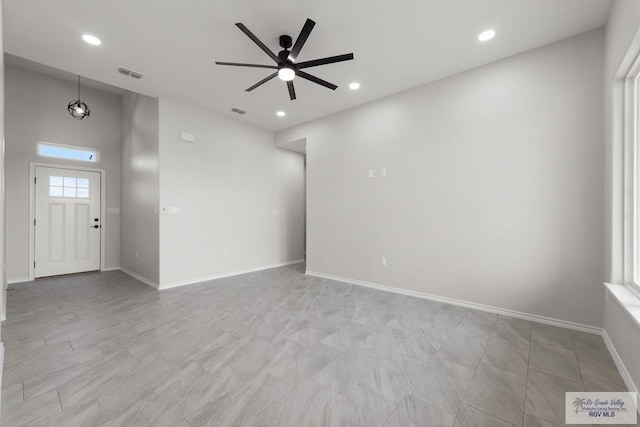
283	56
286	41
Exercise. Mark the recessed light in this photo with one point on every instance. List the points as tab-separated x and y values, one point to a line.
91	39
354	86
281	114
485	36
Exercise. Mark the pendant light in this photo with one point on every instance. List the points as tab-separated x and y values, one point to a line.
78	109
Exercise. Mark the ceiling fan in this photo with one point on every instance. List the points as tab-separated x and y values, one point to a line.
287	68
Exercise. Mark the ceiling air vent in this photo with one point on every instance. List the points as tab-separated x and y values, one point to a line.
237	110
127	72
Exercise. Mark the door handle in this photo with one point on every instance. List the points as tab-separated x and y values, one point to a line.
95	226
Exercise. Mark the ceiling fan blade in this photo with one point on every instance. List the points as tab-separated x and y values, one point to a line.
292	91
315	80
324	61
238	64
261	82
301	40
257	41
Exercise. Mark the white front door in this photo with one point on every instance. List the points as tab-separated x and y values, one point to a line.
67	221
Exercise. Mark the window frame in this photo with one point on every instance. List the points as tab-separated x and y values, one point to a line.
631	137
631	128
93	151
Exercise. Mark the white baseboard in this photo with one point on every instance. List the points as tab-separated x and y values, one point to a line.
26	279
467	304
619	363
20	280
222	276
140	278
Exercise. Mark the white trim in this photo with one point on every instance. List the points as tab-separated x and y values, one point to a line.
222	276
17	281
32	213
490	309
140	278
627	299
625	132
1	367
110	269
626	377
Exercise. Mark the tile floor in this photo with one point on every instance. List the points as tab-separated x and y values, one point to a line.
278	348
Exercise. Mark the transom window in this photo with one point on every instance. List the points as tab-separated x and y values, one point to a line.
69	186
68	152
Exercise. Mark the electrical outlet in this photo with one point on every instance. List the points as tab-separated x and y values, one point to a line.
137	254
383	172
171	210
370	174
383	261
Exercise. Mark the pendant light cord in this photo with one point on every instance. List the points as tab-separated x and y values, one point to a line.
78	87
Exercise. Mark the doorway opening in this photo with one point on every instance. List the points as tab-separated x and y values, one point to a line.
67	232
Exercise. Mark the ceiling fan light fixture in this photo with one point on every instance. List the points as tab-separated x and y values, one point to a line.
354	86
286	74
287	68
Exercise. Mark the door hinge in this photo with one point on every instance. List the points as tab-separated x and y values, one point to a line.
34	264
35	180
34	222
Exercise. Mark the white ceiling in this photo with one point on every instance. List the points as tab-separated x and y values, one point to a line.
397	45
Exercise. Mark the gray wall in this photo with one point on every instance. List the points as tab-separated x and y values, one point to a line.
622	26
37	112
235	192
493	193
139	252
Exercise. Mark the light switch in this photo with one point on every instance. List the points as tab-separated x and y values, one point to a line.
370	173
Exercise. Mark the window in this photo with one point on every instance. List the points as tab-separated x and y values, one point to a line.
628	97
68	152
69	186
633	132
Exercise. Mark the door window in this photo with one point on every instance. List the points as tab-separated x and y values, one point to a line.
68	186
